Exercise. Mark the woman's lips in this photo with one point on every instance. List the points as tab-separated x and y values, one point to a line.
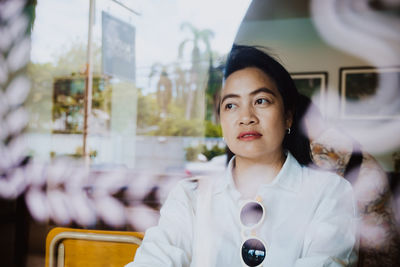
248	136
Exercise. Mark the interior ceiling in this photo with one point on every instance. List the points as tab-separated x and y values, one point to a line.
277	9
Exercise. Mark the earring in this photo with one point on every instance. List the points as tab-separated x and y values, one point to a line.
288	130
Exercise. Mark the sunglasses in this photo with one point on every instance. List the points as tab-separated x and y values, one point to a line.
252	250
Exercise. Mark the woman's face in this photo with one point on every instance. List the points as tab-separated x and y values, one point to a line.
252	115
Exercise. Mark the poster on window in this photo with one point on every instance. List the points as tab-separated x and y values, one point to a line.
118	48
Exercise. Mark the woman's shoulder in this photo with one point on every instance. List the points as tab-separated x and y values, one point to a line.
192	183
329	188
324	179
188	188
185	186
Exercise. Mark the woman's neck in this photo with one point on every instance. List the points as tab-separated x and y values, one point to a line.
249	174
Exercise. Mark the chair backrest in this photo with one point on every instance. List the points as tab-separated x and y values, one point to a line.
76	247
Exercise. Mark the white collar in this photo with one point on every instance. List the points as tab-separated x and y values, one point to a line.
288	178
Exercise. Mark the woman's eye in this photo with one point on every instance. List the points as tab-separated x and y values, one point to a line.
230	106
262	101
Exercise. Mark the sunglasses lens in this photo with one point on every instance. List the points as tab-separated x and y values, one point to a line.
253	252
251	214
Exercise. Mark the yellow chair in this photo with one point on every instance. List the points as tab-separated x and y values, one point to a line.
76	247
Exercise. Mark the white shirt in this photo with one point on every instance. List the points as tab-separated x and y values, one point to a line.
309	221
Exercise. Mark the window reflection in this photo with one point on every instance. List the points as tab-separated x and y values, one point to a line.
68	98
160	123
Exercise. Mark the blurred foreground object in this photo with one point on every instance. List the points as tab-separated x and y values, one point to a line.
378	230
371	33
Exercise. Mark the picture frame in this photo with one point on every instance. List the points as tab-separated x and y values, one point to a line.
360	97
311	84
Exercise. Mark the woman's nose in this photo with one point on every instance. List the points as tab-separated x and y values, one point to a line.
247	117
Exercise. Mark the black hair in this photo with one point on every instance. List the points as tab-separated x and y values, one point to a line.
241	57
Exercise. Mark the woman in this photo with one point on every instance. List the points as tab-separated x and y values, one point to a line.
267	209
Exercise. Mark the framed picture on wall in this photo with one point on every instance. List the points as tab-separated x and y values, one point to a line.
369	93
311	84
